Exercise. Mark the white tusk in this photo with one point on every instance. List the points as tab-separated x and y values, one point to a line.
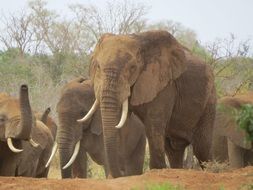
90	113
74	155
34	144
12	148
123	114
55	147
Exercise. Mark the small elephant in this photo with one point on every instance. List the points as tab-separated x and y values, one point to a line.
76	99
19	154
229	141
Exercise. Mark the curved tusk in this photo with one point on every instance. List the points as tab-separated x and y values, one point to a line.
123	114
55	147
73	157
11	147
90	113
33	143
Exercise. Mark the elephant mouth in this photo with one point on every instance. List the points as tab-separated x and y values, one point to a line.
15	121
95	107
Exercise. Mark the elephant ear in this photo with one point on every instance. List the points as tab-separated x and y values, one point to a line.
163	60
96	123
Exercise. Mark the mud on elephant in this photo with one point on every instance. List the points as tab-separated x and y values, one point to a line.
19	153
171	91
229	141
76	139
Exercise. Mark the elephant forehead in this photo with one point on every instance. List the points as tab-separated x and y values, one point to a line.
10	108
114	48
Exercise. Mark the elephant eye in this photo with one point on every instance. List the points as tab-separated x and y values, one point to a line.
2	119
132	68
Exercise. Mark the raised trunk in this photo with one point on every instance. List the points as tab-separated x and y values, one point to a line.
110	117
27	120
22	130
45	116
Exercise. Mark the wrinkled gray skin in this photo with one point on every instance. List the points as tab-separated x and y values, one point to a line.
25	163
167	87
76	99
229	141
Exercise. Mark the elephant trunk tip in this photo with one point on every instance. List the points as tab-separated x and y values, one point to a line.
24	87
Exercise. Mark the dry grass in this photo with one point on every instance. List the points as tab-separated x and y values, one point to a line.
216	166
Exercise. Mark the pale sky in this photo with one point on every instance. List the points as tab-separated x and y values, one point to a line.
210	19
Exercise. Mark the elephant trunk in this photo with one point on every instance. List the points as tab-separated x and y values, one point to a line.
27	120
65	151
44	116
109	106
67	137
22	130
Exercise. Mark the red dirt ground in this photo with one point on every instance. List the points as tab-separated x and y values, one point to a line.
188	179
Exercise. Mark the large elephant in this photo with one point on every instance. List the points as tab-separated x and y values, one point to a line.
20	155
229	141
75	139
171	91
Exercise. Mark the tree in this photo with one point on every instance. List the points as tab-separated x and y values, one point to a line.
183	34
231	63
118	17
18	32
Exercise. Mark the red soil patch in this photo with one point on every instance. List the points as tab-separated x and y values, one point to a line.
189	179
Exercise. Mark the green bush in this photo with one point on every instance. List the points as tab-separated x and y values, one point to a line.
245	120
161	186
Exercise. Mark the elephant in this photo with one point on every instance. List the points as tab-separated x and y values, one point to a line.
19	153
45	159
229	141
76	140
164	84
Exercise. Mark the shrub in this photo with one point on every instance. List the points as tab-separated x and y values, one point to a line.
245	120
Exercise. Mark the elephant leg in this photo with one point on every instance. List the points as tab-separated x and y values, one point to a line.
248	158
175	151
80	164
235	155
135	159
155	135
202	137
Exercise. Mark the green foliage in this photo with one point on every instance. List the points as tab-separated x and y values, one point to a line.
245	120
221	187
162	186
200	51
246	187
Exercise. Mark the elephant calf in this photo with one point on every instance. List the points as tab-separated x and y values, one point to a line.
76	139
229	141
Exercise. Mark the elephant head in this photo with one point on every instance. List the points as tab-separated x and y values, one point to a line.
76	99
231	129
132	68
16	118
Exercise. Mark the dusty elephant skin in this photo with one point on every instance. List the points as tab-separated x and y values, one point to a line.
46	136
170	90
229	141
76	99
18	123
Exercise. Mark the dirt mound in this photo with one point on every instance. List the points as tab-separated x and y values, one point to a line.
187	179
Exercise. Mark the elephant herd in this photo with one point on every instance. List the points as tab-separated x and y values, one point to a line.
141	86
